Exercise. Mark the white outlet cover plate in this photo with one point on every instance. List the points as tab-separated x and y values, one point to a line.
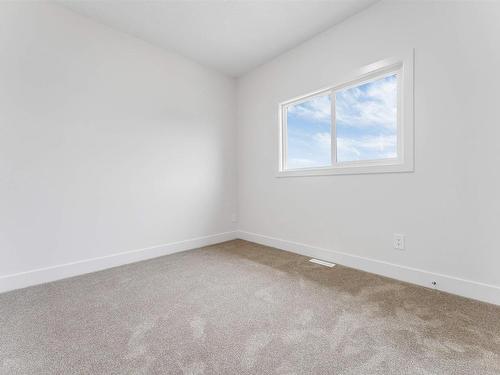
399	241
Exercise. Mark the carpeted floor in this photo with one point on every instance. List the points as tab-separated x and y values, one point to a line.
242	308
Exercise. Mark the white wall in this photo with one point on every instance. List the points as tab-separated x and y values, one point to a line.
107	144
449	208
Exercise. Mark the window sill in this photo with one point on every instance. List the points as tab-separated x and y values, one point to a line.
348	169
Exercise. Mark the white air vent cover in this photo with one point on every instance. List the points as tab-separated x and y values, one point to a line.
322	262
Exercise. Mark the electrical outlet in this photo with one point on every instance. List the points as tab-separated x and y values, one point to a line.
399	241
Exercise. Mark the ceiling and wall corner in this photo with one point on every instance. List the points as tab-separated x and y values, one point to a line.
232	37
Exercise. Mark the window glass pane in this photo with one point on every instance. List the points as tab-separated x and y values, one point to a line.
366	120
309	133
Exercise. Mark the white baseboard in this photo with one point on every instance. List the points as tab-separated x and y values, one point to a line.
465	288
62	271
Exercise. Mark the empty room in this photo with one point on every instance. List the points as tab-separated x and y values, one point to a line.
249	187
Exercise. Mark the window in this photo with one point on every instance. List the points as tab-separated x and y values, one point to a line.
363	126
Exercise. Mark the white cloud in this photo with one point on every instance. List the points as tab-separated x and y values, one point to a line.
376	105
323	139
296	163
315	109
376	147
311	151
347	150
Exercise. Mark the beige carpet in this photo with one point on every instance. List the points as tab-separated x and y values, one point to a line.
242	308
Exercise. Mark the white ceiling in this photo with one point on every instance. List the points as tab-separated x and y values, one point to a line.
230	36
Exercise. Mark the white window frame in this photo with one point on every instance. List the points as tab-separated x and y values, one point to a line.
402	66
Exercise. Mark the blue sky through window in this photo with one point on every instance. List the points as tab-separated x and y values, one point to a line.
309	133
366	125
366	120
